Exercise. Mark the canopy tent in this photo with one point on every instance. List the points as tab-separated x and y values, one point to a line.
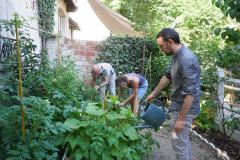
97	21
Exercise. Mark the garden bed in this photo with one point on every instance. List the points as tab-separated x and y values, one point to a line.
219	140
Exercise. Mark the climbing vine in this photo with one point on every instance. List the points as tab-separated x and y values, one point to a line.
46	10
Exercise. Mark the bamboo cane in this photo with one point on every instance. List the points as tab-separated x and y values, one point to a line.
20	89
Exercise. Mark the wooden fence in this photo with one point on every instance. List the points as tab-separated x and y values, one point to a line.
229	107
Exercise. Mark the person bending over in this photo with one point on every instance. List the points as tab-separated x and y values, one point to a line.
107	75
137	87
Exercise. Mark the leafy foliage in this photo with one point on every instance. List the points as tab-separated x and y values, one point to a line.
53	94
141	13
229	8
46	10
30	60
229	57
46	22
206	118
91	133
40	130
125	54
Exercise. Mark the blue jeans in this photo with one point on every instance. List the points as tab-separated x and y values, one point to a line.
141	90
181	144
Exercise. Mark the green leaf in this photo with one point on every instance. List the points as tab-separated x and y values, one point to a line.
12	158
73	141
95	111
84	144
125	111
115	116
93	104
93	155
75	124
217	31
130	132
78	155
72	123
26	156
112	140
224	35
106	156
14	152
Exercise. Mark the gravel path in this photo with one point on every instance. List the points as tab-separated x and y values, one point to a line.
200	150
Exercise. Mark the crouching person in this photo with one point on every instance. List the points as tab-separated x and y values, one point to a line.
137	87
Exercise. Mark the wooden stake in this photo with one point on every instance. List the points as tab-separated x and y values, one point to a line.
20	89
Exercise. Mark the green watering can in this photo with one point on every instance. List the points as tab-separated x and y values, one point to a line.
153	114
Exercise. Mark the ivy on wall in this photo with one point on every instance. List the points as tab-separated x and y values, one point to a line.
124	53
46	9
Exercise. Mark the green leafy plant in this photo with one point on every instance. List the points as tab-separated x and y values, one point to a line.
98	131
206	119
229	8
47	90
40	130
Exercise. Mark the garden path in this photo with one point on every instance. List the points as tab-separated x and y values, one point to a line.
200	150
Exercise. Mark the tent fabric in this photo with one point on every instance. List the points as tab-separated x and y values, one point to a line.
71	5
73	24
116	23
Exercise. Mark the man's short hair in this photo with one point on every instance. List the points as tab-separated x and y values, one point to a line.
169	33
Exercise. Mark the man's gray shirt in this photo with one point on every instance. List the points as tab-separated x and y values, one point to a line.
184	74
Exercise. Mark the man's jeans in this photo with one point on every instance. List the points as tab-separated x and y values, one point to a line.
181	144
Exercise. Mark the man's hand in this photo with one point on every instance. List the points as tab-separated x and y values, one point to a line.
97	88
150	97
179	125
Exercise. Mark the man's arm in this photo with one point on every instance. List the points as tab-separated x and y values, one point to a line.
165	81
187	104
105	82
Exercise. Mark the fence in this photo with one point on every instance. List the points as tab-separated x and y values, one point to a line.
229	107
7	45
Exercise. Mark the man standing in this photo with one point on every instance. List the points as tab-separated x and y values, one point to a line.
184	76
107	76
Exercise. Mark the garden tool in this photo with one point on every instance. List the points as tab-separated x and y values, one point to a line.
153	114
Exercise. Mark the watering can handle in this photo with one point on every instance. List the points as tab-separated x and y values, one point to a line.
159	103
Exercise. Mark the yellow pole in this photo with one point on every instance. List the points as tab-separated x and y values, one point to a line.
20	89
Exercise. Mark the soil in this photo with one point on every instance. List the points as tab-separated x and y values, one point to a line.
222	142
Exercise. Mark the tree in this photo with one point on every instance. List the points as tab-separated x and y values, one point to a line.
230	8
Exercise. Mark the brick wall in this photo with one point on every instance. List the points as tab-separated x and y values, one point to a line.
84	52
